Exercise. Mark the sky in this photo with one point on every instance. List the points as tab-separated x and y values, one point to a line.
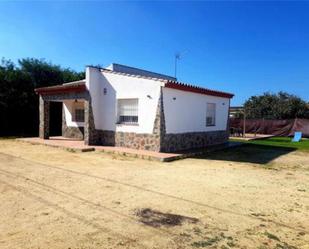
245	48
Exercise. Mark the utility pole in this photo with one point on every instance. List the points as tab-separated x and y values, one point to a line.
244	128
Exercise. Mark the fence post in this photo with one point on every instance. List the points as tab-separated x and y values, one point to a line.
244	129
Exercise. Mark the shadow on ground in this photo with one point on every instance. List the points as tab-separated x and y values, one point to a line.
248	153
156	218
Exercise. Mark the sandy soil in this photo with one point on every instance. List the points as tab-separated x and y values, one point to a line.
51	198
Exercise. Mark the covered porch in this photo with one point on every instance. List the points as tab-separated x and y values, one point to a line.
77	115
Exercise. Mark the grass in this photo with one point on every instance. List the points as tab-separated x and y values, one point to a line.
271	236
249	153
284	142
205	243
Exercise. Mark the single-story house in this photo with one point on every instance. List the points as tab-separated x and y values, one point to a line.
135	108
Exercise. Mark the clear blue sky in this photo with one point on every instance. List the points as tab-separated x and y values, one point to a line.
242	47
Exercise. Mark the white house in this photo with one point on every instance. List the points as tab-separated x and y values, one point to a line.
130	107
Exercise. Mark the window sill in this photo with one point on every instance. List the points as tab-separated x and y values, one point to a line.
76	125
127	124
210	125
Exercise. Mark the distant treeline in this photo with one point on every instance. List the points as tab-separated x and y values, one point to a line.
19	105
275	106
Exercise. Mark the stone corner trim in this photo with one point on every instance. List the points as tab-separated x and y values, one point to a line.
44	107
69	131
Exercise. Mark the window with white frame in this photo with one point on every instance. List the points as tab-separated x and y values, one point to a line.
211	114
127	111
78	114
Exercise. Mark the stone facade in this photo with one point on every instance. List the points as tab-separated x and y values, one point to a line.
138	141
44	108
192	140
129	139
71	132
89	124
108	138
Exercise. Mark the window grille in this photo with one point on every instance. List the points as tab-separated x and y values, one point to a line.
211	114
79	115
127	111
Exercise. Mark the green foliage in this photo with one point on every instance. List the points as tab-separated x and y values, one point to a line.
284	142
271	236
276	106
205	243
18	102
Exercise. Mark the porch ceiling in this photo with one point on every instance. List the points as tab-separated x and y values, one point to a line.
72	87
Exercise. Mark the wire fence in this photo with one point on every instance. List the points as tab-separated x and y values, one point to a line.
285	127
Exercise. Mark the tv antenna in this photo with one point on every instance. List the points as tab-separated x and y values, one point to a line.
178	56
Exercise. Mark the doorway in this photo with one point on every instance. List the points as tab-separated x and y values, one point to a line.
55	125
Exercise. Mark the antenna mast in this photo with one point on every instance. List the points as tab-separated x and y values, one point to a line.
177	57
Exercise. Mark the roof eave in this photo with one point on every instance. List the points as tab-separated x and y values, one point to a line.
196	89
60	89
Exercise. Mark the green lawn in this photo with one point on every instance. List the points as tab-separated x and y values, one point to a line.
279	142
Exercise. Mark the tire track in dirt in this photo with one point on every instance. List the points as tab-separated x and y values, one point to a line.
157	193
159	231
70	214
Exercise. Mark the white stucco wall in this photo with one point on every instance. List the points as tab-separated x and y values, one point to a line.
187	113
95	88
117	87
68	107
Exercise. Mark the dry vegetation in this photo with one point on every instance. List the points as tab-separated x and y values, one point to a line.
242	198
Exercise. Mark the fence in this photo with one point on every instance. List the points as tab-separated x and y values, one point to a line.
285	127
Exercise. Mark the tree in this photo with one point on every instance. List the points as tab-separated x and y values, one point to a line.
18	102
276	106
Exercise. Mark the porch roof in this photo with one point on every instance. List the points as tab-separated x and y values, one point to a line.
75	86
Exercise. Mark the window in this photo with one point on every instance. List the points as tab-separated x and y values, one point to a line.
211	114
79	115
127	112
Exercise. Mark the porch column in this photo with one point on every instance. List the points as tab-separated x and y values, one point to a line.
159	128
89	128
44	118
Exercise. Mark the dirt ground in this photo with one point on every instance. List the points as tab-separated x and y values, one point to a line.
242	198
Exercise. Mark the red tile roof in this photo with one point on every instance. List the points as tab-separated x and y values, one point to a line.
80	86
196	89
